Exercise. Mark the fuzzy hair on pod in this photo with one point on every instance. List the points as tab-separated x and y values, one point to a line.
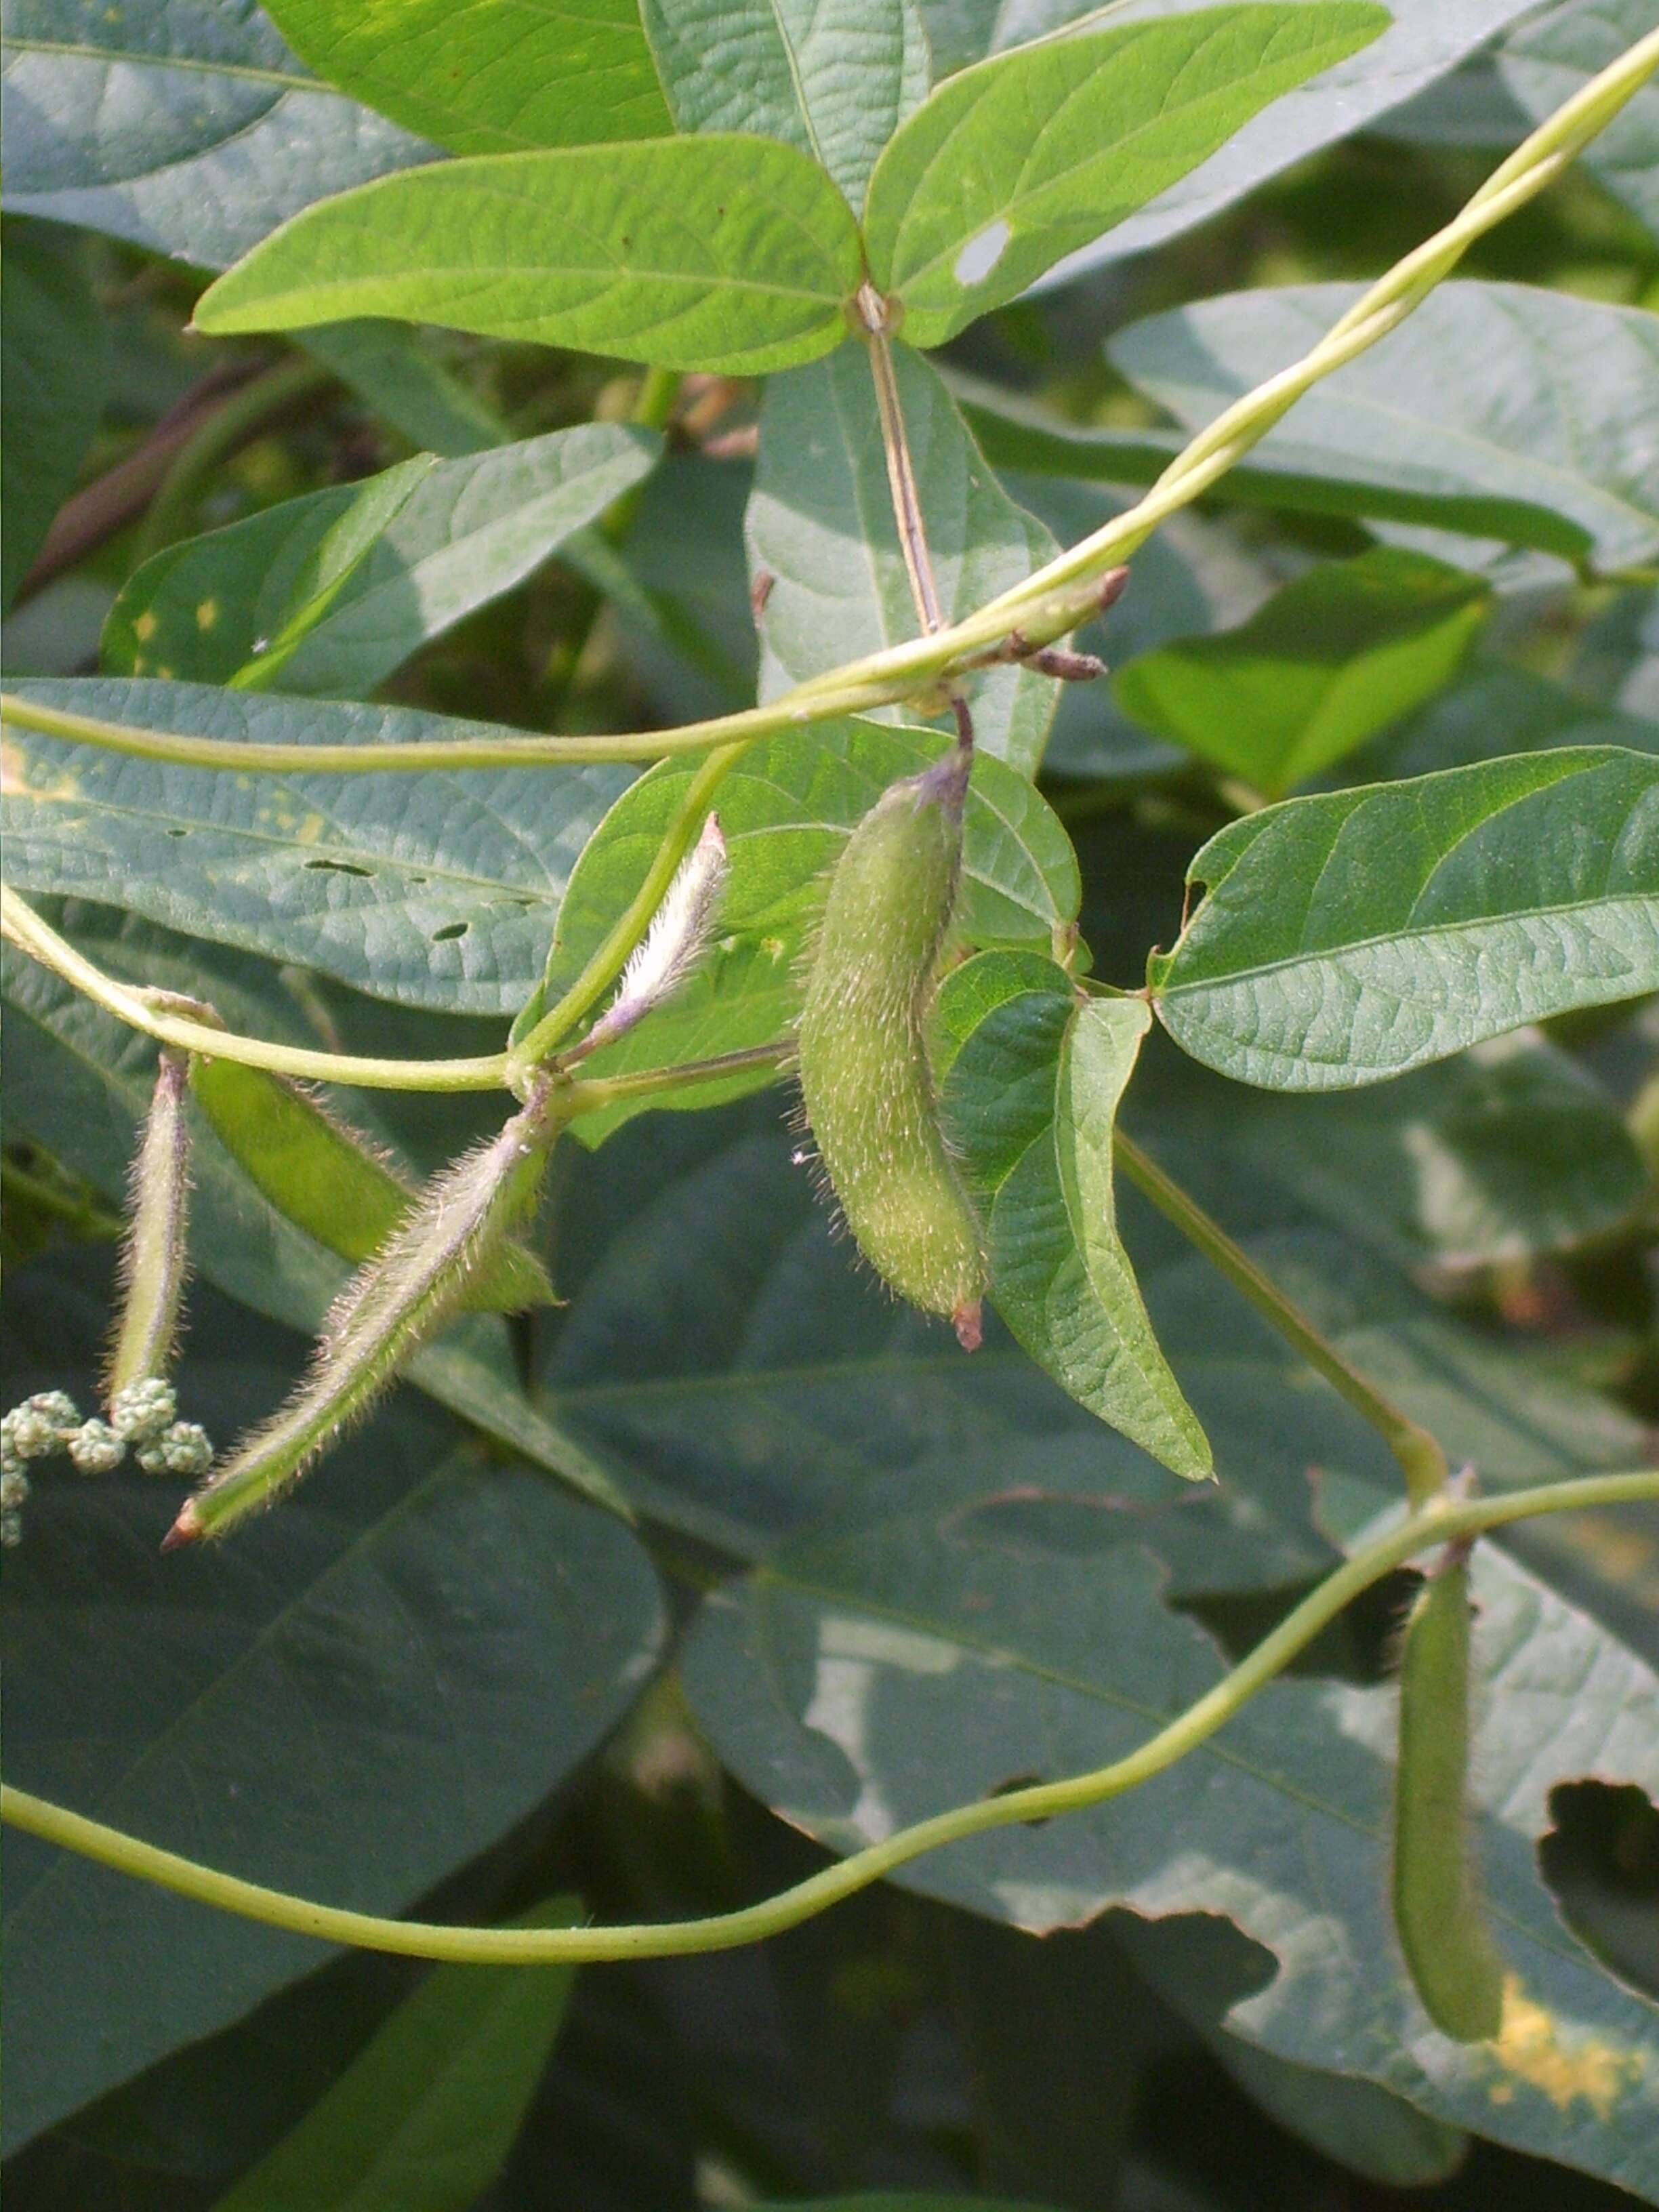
391	1307
1438	1909
154	1256
866	1083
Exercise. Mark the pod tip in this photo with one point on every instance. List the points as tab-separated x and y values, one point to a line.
966	1322
187	1529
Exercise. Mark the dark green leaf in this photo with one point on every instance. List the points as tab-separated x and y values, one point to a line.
785	809
1346	938
1016	163
1497	708
835	80
48	320
1339	654
1031	1102
876	1671
376	1683
721	254
435	889
471	529
821	525
189	129
422	2118
1480	399
487	76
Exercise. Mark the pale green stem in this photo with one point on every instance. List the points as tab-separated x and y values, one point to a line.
593	1094
611	957
174	507
901	469
1421	1459
1047	605
156	1256
1444	1520
141	1010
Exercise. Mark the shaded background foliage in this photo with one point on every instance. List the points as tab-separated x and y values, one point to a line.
867	1578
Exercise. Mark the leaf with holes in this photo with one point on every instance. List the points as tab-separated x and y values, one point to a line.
729	254
468	529
1015	163
906	1658
439	891
820	525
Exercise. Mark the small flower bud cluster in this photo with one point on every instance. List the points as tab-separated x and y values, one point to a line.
142	1415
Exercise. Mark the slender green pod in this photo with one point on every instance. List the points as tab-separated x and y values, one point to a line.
154	1259
1438	1907
865	1078
389	1310
329	1179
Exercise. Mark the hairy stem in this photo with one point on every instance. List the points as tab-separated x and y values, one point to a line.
900	470
1421	1459
1443	1520
611	957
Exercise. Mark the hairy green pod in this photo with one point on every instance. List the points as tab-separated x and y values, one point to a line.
329	1179
1438	1909
154	1258
865	1078
389	1310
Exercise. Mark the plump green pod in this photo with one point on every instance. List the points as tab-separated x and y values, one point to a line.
154	1259
391	1307
1438	1907
865	1074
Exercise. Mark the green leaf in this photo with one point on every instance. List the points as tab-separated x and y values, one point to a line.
1424	40
728	254
435	889
1013	164
889	1664
487	76
1346	938
79	1082
464	531
1553	54
48	319
329	567
397	1669
1031	1100
820	524
1483	398
393	373
422	2119
786	810
836	81
189	130
1339	653
327	1180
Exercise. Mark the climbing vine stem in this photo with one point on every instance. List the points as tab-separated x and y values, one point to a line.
1443	1519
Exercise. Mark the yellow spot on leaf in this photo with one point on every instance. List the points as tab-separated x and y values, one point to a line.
207	614
143	626
1529	2047
161	669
